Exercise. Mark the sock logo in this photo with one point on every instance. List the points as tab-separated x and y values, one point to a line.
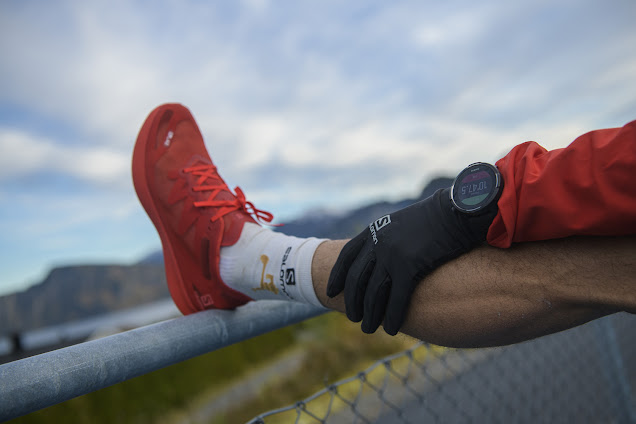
290	276
269	285
286	276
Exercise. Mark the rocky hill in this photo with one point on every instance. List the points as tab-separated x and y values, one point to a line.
75	292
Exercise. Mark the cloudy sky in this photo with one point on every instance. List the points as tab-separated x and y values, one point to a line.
303	104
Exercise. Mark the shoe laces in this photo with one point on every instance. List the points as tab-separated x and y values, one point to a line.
209	180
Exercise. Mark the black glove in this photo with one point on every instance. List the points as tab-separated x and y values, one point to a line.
379	268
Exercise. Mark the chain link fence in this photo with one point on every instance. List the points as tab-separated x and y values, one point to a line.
586	374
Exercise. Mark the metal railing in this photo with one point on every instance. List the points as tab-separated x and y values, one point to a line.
34	383
586	374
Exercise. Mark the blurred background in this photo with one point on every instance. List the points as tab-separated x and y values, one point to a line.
327	114
307	106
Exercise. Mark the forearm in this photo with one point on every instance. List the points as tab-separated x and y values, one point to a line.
493	296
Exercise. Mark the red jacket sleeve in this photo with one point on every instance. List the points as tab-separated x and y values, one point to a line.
587	188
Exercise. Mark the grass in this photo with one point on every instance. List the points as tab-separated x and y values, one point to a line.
334	347
338	349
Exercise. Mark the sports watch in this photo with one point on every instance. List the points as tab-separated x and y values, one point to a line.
477	189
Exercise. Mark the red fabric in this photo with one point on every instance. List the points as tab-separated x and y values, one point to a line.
587	188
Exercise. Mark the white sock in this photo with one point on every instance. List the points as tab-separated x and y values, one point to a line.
264	264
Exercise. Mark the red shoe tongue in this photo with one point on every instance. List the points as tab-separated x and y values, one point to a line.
233	221
197	160
193	180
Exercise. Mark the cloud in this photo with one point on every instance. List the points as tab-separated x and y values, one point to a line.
441	29
384	160
24	154
292	85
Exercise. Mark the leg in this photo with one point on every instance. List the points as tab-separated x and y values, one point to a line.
494	296
216	256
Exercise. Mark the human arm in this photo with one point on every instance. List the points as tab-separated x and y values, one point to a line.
584	189
491	296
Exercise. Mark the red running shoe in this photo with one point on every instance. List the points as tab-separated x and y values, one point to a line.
194	211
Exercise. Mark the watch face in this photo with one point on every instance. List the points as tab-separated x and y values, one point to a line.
475	187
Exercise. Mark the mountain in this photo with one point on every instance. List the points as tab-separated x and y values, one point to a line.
77	292
326	225
153	258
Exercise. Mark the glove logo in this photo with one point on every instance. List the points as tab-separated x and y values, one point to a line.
377	225
382	222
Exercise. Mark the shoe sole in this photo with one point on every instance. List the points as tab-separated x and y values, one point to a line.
176	285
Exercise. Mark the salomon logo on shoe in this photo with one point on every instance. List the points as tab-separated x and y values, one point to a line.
168	139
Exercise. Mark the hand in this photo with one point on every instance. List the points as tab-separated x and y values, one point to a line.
379	268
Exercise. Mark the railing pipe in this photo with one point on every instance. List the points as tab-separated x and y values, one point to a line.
34	383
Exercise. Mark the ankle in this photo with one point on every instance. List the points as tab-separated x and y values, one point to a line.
264	264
